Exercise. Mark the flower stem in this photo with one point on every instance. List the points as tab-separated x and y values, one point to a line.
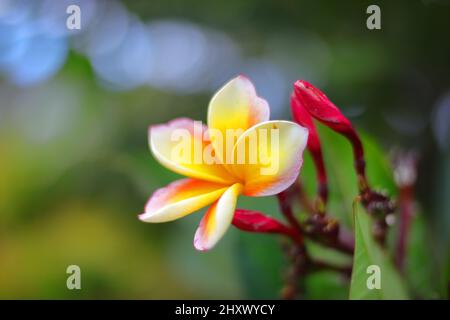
298	253
284	201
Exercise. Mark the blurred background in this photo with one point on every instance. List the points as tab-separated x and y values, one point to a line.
75	170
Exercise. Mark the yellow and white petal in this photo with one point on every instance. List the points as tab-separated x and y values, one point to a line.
235	107
180	145
181	198
273	154
217	219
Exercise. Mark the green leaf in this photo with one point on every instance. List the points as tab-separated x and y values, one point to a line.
343	186
368	253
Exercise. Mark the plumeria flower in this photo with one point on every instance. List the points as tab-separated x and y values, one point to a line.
234	108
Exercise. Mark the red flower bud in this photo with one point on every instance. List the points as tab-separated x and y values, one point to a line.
302	117
321	108
254	221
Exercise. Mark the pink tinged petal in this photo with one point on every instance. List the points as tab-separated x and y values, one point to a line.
180	198
278	155
180	146
217	219
235	107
